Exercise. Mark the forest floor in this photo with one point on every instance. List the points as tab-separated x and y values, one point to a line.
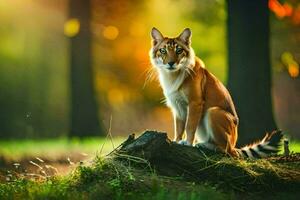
80	170
61	154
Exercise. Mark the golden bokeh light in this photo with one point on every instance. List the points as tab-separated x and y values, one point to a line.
293	70
71	27
286	57
137	29
121	48
290	63
280	10
116	97
110	32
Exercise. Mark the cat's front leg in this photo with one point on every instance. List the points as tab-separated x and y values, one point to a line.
179	125
193	119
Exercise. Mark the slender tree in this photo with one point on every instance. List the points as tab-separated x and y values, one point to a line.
249	79
84	110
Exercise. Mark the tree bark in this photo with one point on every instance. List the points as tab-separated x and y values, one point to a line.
84	109
249	77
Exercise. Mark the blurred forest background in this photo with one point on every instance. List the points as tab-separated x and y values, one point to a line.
36	38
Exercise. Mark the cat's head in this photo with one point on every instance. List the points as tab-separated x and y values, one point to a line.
172	54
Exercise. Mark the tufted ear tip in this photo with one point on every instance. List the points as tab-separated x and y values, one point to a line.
187	30
154	29
156	35
186	35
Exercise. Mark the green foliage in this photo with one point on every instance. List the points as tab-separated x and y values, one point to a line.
295	146
54	188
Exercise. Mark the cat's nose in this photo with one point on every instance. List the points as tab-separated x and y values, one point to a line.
171	64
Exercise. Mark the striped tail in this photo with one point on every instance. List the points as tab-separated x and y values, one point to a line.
270	144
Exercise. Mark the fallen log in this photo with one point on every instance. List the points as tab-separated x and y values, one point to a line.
201	165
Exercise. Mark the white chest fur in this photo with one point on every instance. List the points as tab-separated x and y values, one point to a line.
177	101
175	97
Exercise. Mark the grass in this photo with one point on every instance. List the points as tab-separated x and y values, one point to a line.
107	178
295	146
52	148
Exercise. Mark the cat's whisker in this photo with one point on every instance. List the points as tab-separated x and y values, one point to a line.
189	73
150	75
163	100
192	70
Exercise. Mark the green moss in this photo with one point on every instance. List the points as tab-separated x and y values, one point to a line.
108	179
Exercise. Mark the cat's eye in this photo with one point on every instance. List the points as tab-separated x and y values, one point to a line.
163	50
179	50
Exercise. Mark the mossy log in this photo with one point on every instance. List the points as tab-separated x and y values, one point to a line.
201	165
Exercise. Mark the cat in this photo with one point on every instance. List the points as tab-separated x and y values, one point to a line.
201	105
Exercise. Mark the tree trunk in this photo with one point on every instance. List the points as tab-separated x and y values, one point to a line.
249	79
155	151
84	110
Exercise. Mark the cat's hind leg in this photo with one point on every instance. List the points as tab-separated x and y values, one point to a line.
220	126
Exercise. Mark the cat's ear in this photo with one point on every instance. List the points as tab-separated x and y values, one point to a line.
186	36
156	36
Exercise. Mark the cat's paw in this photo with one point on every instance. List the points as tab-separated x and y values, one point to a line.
184	142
